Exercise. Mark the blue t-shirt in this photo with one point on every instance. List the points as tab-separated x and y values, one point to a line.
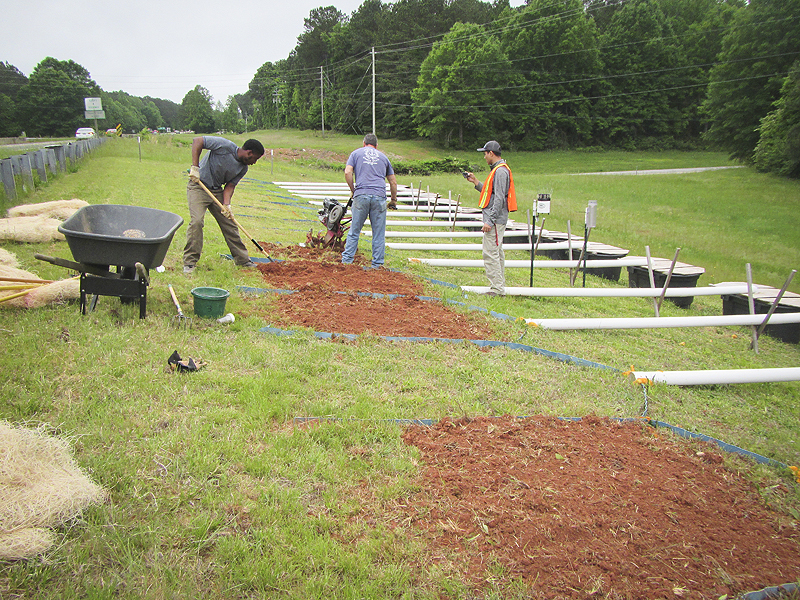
370	168
221	164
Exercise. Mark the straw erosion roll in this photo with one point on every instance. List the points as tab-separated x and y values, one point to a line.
41	487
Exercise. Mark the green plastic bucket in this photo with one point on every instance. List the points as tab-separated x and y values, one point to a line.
209	301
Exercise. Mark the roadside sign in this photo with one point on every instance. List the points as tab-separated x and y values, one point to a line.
93	104
95	114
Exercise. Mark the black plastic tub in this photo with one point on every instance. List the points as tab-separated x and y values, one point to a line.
114	234
683	276
738	304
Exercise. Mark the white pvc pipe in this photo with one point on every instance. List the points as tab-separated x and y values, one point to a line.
473	247
621	292
632	261
663	322
447	234
722	376
440	218
394	223
317	197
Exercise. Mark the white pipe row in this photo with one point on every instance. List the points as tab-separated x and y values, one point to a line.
576	292
662	322
476	247
717	377
398	223
449	234
403	198
631	261
441	218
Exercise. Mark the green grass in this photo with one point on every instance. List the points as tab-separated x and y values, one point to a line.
215	491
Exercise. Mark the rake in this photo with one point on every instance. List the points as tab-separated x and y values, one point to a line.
180	318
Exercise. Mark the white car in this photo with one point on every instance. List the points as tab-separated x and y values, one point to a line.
84	133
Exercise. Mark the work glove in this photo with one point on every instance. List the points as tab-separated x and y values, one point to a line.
194	173
392	205
226	212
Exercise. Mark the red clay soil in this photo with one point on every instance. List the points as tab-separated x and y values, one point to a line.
317	275
593	509
589	509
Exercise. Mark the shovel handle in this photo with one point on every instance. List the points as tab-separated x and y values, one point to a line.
244	231
175	299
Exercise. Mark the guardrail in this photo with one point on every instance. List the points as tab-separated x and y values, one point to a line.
16	172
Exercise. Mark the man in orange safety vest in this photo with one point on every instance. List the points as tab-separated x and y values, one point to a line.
497	198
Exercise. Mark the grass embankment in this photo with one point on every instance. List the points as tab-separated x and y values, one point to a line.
215	493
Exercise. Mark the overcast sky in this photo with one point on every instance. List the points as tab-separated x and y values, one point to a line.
159	48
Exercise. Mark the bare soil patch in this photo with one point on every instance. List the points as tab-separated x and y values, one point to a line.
294	154
318	278
593	509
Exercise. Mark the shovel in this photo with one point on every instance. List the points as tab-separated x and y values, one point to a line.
181	318
252	239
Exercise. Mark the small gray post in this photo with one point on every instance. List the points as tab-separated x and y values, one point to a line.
22	166
50	159
38	164
61	158
70	153
7	175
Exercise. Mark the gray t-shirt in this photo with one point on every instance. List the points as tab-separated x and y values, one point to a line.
220	164
371	167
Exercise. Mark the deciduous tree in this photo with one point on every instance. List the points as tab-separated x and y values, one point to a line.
196	112
52	102
756	56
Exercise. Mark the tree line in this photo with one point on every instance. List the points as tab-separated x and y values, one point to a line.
632	74
553	74
50	103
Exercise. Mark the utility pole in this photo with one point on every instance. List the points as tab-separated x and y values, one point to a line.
276	100
322	99
373	90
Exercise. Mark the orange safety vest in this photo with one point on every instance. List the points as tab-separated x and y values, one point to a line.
486	192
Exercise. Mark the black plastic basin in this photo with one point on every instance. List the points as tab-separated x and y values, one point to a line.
114	234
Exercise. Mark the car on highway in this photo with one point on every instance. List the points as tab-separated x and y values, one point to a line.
84	133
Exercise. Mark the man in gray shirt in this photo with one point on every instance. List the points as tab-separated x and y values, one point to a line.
221	169
366	173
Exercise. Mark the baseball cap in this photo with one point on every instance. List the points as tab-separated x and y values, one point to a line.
490	147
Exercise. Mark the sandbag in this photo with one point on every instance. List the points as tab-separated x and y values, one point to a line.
56	209
30	229
41	486
8	259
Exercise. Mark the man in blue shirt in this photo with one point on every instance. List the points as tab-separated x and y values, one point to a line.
367	172
221	169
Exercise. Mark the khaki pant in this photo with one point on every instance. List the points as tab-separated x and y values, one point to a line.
494	259
199	202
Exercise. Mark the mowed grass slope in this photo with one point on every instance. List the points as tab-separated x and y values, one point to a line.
216	491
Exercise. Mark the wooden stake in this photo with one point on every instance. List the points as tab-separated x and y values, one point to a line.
751	306
669	276
652	279
774	305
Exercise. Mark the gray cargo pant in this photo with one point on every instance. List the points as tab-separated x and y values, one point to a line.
494	259
199	202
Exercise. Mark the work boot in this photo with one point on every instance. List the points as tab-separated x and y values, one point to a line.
188	270
248	265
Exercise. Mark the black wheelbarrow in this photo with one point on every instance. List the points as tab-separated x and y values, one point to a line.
131	238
